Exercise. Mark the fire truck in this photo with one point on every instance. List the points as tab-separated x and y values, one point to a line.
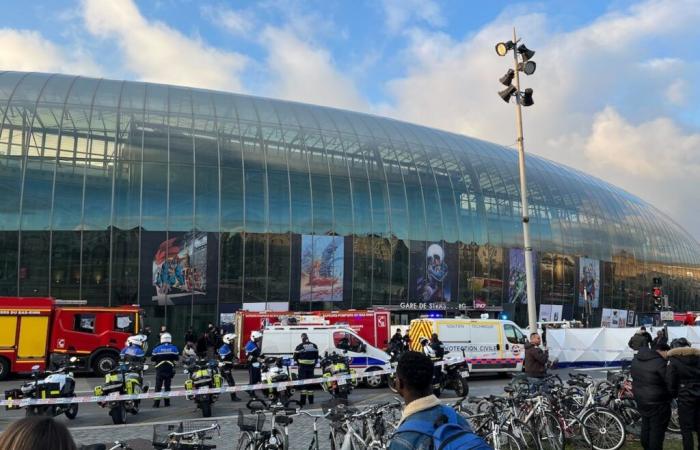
371	325
43	331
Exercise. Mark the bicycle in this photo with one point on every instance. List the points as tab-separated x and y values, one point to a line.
314	445
185	435
253	433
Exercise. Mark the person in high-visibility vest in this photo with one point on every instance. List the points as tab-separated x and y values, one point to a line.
164	356
306	357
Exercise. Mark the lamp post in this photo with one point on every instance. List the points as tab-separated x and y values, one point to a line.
522	98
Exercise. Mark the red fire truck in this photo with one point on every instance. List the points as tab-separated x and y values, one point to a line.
43	331
371	325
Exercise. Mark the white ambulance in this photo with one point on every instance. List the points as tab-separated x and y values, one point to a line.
489	345
281	340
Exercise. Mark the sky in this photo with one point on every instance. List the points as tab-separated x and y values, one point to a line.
614	87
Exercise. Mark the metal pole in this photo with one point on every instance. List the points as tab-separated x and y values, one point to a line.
529	272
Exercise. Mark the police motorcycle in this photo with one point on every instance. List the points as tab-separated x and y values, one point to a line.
276	370
394	353
125	379
452	373
203	374
47	385
333	365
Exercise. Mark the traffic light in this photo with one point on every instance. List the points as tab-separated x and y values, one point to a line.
656	281
656	292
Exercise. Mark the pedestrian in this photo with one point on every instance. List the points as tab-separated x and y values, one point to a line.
227	356
396	342
253	352
212	339
163	329
683	382
651	394
189	354
661	338
164	356
536	359
306	357
426	424
201	345
640	339
435	350
190	336
36	433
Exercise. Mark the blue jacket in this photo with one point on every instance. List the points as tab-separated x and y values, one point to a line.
409	440
225	353
133	352
164	356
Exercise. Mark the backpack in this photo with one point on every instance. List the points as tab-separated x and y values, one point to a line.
449	435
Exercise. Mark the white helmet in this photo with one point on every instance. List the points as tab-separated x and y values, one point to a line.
255	335
166	337
229	337
137	339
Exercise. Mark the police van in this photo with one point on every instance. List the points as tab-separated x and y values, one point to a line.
281	340
489	345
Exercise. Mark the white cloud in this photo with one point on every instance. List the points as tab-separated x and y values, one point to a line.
155	52
236	22
26	50
301	71
452	85
400	13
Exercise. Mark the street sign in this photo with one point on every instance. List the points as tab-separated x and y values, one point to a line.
666	315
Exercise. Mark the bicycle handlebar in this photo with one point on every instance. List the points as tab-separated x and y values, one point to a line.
212	427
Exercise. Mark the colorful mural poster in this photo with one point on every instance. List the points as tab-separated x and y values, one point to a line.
433	271
589	282
179	267
322	268
517	285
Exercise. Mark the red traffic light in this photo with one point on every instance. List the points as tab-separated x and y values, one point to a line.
656	292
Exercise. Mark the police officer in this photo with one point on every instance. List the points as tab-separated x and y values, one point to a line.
134	350
164	356
227	357
435	350
306	357
252	353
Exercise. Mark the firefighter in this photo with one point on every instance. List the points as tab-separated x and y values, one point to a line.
227	357
252	352
164	356
306	357
134	350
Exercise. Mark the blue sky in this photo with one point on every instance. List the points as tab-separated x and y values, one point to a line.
614	87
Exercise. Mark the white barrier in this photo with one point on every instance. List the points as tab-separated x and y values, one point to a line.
602	347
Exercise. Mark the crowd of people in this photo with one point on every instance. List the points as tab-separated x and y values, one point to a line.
660	373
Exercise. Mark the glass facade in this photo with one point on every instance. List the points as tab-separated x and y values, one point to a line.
193	202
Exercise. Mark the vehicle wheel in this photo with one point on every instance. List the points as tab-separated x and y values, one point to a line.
206	409
103	363
461	387
502	441
437	391
246	442
605	430
4	369
375	381
278	440
118	414
72	411
390	382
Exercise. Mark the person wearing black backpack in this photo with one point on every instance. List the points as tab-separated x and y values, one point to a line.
426	424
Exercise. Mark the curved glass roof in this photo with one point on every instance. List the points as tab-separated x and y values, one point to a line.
302	168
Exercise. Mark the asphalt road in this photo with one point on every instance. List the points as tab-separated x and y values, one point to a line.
93	424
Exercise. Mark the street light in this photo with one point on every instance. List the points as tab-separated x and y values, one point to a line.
524	98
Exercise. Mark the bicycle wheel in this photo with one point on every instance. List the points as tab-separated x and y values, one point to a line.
502	441
337	436
549	432
246	441
524	434
604	429
278	440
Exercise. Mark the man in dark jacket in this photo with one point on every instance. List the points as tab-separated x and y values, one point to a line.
651	394
640	339
683	381
535	358
661	338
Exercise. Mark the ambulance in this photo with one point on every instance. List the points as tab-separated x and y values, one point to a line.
489	345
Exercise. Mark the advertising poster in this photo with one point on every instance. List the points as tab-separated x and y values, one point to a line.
433	271
613	318
589	282
322	268
517	286
606	318
545	313
557	311
630	319
179	267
